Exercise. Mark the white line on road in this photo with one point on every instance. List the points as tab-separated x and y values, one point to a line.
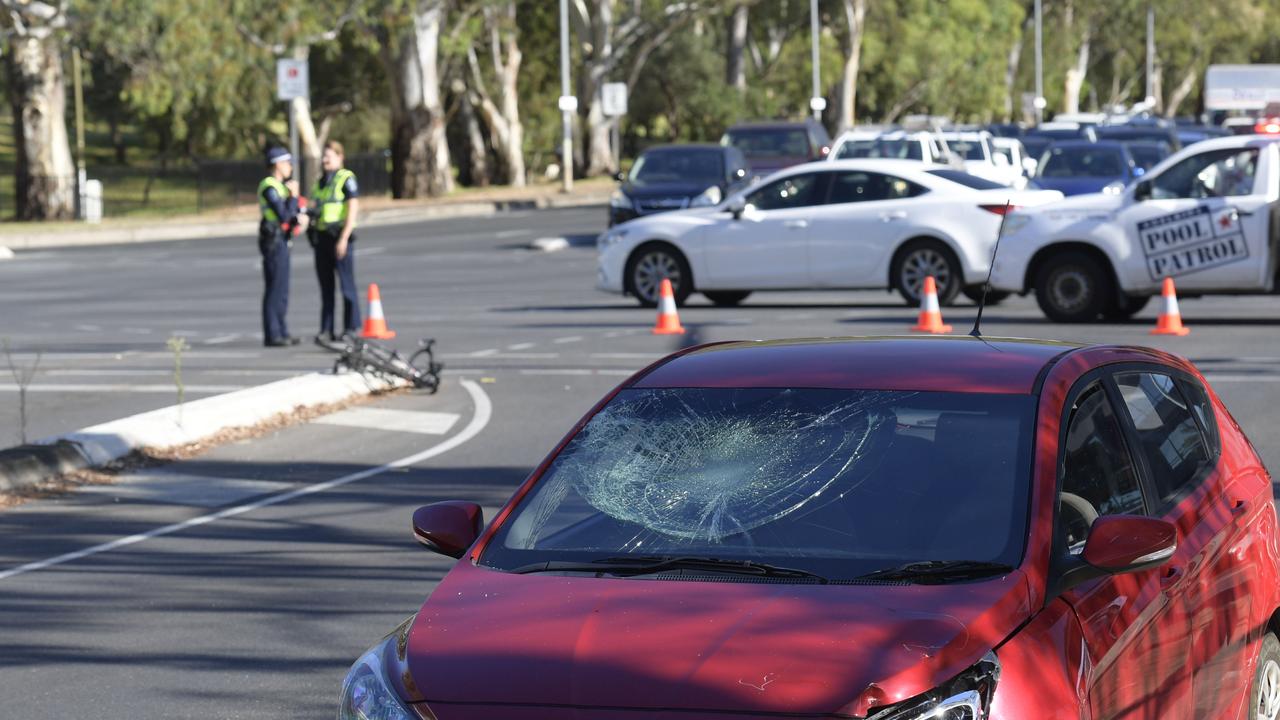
511	233
570	339
521	346
411	421
219	340
483	411
89	328
484	353
627	356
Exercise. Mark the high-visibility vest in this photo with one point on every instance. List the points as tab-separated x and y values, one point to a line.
270	182
331	200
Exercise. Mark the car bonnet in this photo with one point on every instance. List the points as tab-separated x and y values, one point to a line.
716	644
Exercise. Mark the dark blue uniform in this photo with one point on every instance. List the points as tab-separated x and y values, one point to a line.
327	262
273	243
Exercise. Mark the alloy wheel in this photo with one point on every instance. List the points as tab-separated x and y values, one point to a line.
1269	693
1070	290
921	263
650	269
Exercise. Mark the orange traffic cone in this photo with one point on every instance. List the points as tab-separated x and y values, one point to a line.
930	315
375	326
668	320
1170	320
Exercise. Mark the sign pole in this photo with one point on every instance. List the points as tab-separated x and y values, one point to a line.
567	106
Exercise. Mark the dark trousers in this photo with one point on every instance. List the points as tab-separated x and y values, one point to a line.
275	272
327	266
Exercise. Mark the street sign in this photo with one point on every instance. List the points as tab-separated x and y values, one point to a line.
613	99
292	80
568	103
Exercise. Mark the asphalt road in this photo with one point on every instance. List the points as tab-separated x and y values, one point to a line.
243	583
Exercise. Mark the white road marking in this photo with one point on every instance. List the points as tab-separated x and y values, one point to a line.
484	353
521	346
627	356
219	340
119	388
367	252
413	421
483	411
558	371
495	355
511	233
89	328
570	339
88	372
137	330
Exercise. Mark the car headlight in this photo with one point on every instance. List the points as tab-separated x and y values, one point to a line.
1114	188
966	697
1013	222
367	693
609	237
620	200
710	196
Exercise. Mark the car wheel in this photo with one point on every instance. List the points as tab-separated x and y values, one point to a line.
1127	308
727	298
994	297
1073	287
649	265
1264	695
921	259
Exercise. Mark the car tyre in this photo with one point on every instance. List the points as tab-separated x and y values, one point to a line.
994	297
1073	287
646	268
921	258
1129	306
727	298
1264	693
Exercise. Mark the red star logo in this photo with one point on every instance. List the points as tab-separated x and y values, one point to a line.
1225	222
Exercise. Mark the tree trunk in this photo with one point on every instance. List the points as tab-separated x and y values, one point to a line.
736	43
420	165
1011	68
1075	77
309	143
855	12
1182	91
506	133
477	149
44	174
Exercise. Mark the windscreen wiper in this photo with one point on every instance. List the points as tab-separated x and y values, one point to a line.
940	571
648	564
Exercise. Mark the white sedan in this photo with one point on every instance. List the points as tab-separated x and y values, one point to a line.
848	224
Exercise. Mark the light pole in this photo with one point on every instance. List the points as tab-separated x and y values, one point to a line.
568	103
817	103
1151	57
1039	101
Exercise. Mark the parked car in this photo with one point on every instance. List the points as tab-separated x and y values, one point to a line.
900	145
834	225
674	177
1191	134
771	146
900	529
1076	167
1167	134
974	148
1038	139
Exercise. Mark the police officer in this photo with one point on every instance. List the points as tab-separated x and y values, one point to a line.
278	201
336	202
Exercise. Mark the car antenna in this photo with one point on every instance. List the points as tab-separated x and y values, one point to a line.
986	286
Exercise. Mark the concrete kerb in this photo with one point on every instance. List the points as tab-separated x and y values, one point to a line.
175	426
167	231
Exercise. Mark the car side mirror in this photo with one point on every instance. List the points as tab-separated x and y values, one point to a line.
449	527
1142	191
736	207
1118	544
620	177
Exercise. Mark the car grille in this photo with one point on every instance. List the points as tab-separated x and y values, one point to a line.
650	205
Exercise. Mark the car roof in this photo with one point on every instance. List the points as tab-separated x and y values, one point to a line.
921	364
889	165
688	146
771	125
1082	143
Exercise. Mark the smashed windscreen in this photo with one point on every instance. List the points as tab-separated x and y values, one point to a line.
843	479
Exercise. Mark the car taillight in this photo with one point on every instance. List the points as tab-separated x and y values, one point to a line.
1000	209
1269	126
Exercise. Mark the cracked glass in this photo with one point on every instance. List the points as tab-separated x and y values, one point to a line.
838	482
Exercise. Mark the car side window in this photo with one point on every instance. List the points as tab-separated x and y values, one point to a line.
1219	173
789	192
1168	433
847	187
1098	474
1203	409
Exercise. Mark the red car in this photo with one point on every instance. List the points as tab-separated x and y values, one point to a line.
952	529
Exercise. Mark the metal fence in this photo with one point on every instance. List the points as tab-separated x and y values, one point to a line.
191	188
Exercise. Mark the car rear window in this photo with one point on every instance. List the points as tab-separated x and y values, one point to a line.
901	149
837	482
769	142
1169	435
1067	162
967	180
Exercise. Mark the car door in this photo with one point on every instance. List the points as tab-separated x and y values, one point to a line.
859	225
1179	448
767	245
1131	627
1203	221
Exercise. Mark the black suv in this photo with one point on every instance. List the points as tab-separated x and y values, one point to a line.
774	145
675	177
